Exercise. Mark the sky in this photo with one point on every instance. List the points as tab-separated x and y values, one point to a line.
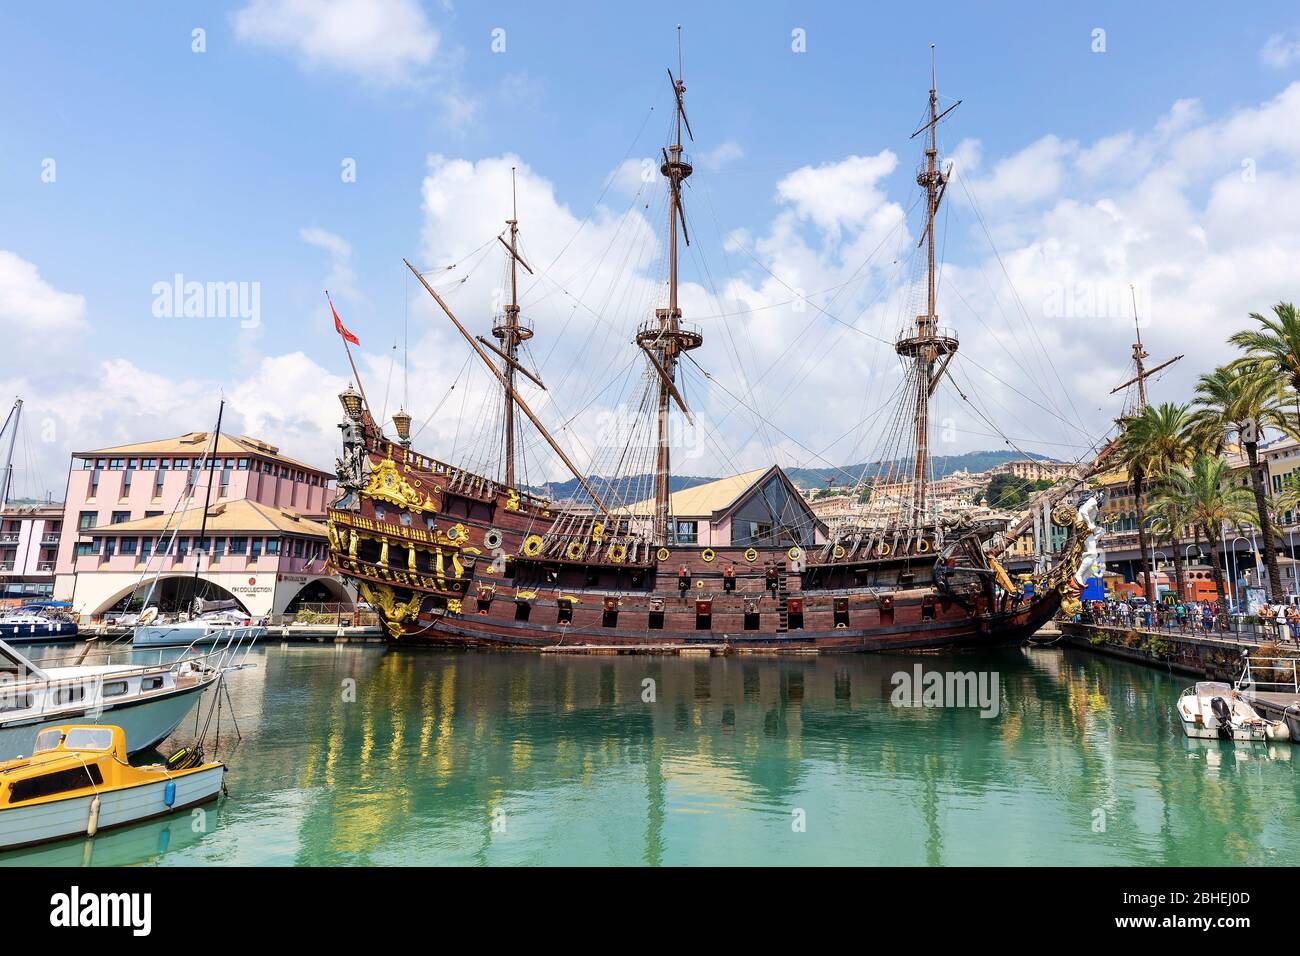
286	147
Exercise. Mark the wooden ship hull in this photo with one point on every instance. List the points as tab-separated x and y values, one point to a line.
453	559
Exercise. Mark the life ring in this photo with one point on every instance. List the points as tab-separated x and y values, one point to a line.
663	554
532	545
574	551
794	554
839	551
492	538
883	549
699	585
617	553
708	555
922	546
751	555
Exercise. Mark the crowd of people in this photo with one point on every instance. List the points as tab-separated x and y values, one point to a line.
1276	622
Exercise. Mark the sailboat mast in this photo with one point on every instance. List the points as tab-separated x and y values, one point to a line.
200	552
665	339
927	344
511	341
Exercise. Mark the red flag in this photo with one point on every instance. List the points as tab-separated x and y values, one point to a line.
339	327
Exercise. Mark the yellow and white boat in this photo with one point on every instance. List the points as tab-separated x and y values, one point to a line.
78	782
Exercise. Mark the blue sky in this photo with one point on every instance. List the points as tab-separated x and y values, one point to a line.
212	164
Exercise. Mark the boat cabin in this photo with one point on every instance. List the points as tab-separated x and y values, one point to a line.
67	760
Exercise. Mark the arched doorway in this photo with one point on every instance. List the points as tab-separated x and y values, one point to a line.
170	595
321	594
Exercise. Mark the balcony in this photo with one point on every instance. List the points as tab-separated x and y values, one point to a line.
50	539
8	538
6	565
44	565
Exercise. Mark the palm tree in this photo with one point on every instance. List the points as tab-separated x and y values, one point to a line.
1240	401
1133	454
1274	347
1160	439
1207	498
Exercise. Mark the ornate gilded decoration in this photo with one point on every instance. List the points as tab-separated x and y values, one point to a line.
574	551
393	610
751	555
512	500
617	553
708	555
532	545
387	484
597	532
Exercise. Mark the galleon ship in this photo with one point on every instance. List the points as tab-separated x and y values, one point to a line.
459	556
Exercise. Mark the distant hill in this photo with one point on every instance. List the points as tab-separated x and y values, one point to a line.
641	486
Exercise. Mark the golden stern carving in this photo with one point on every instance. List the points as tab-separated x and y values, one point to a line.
386	484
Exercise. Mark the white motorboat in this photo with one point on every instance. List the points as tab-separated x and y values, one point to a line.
224	625
34	623
147	701
1213	710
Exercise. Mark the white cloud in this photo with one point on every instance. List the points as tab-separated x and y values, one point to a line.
383	42
1028	176
341	280
1280	51
30	307
834	195
725	152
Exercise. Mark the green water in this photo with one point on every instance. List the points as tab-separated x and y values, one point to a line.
508	759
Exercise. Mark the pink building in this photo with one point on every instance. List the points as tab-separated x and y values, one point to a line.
29	539
133	514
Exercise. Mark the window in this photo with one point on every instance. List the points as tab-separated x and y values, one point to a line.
120	517
272	545
116	464
256	551
153	514
297	547
218	548
163	464
9	702
146	548
70	695
128	545
243	464
87	464
686	532
61	781
238	545
90	738
163	545
84	549
86	520
151	683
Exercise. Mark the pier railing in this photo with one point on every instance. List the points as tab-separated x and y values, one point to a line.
1280	672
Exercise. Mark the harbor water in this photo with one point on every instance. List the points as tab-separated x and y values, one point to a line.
349	754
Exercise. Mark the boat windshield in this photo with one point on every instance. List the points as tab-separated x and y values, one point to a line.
89	738
48	740
1213	689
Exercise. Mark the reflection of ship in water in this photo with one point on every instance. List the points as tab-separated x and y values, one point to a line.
551	747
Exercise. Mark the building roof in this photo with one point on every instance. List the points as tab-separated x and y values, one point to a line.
240	515
701	500
196	443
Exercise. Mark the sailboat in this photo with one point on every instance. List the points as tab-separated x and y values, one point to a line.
449	555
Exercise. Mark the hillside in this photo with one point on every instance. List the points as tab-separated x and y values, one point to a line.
804	478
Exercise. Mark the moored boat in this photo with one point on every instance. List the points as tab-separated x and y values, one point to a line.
147	701
1213	710
471	557
77	782
33	623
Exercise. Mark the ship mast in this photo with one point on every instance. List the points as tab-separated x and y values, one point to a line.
511	333
664	339
927	344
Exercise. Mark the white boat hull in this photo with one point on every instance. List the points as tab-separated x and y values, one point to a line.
193	635
59	819
1210	731
146	722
